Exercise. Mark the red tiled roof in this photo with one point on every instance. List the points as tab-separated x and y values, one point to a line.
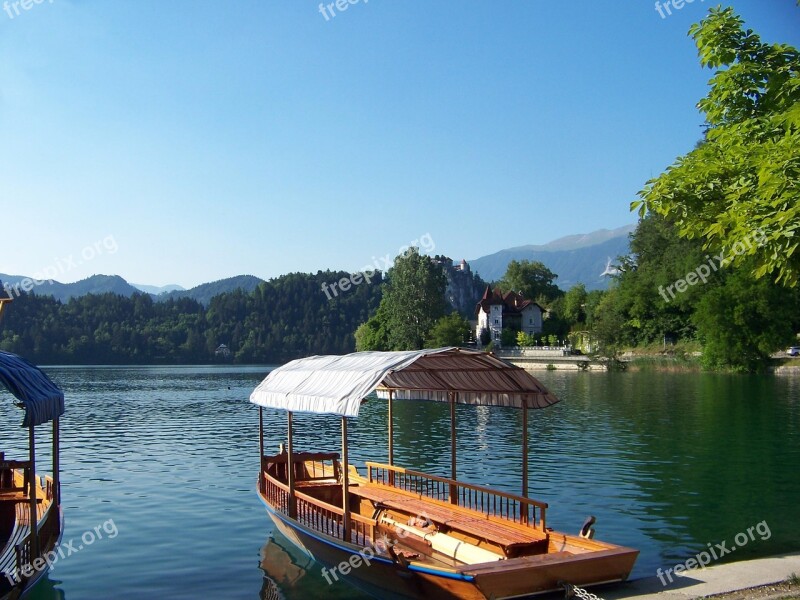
512	302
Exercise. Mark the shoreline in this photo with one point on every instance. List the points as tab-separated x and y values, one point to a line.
631	362
763	578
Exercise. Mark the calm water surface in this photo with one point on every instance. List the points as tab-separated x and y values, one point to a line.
667	462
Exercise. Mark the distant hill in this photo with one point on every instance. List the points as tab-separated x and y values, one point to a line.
155	290
114	284
575	258
204	292
96	284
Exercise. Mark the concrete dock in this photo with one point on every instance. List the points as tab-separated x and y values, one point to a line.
717	579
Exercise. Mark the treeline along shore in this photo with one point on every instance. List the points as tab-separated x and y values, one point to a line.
282	319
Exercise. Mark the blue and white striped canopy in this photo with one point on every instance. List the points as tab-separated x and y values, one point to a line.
42	400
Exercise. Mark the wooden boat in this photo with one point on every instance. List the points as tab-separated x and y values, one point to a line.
399	533
31	521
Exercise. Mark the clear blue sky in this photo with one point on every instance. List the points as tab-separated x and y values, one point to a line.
211	139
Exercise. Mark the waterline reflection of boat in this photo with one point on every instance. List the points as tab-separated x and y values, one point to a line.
291	574
404	534
283	568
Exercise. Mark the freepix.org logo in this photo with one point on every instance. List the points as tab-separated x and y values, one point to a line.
62	551
15	8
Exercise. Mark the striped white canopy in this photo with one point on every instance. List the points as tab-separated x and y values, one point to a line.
337	384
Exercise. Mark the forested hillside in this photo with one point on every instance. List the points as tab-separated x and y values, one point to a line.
283	318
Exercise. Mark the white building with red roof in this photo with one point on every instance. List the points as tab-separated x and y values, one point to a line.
497	311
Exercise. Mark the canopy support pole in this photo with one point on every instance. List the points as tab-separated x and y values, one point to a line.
453	472
56	465
261	429
391	439
345	484
32	482
524	507
261	482
290	470
391	431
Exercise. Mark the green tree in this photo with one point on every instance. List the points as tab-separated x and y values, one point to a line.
593	299
531	279
609	320
413	300
742	321
575	304
372	335
450	330
524	339
508	337
284	318
554	322
737	190
659	258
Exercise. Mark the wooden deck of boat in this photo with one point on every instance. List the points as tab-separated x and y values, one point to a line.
452	517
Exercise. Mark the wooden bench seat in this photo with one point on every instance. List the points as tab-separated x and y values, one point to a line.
462	519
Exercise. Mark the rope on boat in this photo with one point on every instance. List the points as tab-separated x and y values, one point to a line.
573	591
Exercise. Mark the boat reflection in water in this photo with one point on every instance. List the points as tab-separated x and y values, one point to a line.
291	574
283	568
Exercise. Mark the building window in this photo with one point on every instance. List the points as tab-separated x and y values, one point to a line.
497	321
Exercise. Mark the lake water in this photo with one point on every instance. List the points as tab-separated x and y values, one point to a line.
166	458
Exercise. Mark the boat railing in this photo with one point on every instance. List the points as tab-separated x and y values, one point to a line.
47	531
318	515
8	477
492	503
308	466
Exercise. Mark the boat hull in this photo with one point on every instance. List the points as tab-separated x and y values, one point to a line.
381	577
513	578
24	588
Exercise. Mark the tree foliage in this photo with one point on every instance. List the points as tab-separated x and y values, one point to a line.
284	318
413	301
373	335
575	304
738	320
743	181
741	322
450	330
531	279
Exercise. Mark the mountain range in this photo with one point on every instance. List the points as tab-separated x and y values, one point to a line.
581	258
102	284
